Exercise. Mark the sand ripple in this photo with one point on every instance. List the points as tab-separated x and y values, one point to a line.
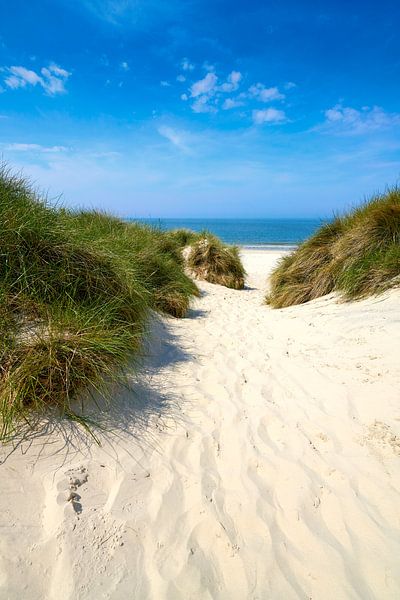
274	472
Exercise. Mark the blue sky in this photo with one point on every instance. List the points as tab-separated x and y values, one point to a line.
202	108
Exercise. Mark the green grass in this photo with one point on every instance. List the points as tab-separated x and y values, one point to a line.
142	254
208	257
183	237
211	260
356	255
76	290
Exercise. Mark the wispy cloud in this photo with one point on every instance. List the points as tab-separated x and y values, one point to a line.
20	77
124	66
175	137
346	120
17	147
52	78
131	13
165	83
110	154
268	115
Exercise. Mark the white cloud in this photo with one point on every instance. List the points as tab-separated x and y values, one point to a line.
20	77
231	103
16	147
209	92
232	82
124	66
175	137
336	114
289	85
181	78
345	119
235	77
269	115
59	71
52	78
201	105
260	92
165	84
206	93
204	86
52	82
186	65
208	66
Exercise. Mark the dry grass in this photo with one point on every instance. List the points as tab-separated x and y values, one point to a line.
209	259
356	255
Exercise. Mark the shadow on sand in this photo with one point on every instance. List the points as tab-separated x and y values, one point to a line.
119	421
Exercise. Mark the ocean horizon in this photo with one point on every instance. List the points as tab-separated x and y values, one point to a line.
263	233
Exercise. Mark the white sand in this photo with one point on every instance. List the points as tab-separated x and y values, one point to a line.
269	467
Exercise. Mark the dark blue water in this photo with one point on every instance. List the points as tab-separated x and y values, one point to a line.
274	233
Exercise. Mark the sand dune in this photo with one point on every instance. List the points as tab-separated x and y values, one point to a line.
259	458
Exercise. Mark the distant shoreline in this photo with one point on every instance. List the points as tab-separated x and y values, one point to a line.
269	247
263	234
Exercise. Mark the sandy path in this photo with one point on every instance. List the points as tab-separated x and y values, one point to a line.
270	468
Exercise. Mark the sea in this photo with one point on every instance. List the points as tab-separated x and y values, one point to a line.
276	234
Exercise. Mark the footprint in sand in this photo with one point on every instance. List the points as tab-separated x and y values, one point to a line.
75	479
381	439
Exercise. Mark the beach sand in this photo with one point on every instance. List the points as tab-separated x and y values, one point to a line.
258	458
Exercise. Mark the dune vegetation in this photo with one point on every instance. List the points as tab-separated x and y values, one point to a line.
76	291
148	256
357	255
185	237
209	259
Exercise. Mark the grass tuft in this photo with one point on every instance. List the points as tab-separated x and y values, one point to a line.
357	255
209	259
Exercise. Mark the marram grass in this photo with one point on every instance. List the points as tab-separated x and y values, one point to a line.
357	255
211	260
76	290
144	255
